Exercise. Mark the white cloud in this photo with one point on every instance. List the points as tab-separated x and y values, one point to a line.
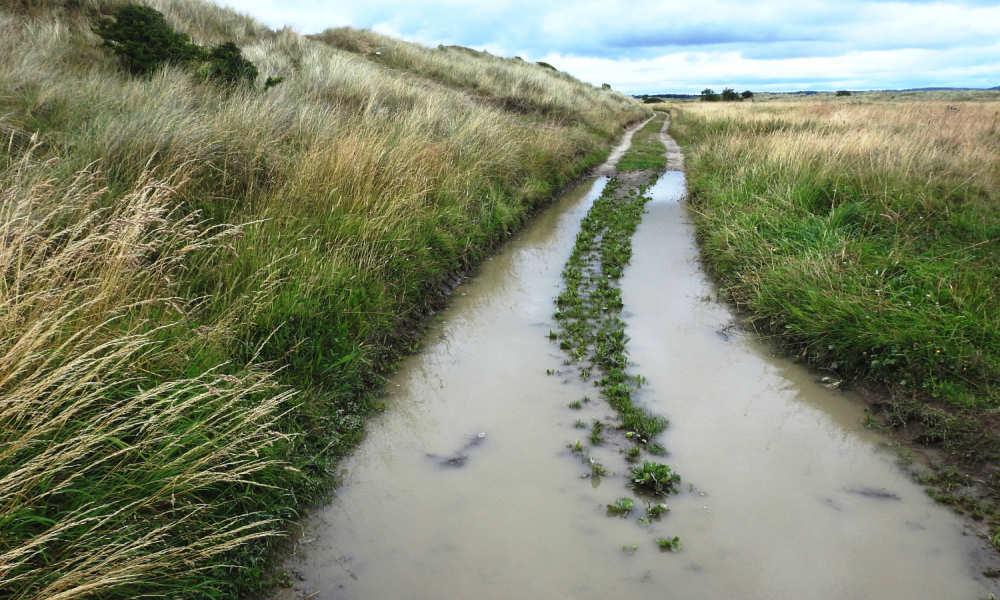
692	71
641	46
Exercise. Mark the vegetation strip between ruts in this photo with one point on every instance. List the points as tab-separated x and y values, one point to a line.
589	307
591	329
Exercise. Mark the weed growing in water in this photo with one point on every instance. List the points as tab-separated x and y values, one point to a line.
655	477
577	447
580	424
671	544
595	433
575	405
655	510
622	507
656	449
596	468
629	549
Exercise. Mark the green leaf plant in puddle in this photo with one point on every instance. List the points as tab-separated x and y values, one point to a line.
621	508
655	477
672	544
589	306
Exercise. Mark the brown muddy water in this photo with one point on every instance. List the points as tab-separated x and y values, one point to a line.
465	487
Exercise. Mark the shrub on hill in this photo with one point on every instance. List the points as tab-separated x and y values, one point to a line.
843	93
143	40
226	64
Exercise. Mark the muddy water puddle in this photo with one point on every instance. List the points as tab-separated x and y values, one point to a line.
465	488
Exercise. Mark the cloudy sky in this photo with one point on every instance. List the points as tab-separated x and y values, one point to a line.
684	46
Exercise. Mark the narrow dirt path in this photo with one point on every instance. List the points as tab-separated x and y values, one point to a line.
608	168
675	158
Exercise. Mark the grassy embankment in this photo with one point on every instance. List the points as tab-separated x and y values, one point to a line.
201	285
865	238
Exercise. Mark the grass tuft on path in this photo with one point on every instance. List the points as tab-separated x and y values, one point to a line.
588	308
646	152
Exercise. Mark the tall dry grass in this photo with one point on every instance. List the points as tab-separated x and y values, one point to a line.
109	470
511	83
173	386
864	234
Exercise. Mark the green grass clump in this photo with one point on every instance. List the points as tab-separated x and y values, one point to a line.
588	307
646	152
655	477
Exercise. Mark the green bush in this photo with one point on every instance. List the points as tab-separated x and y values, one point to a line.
226	64
143	40
843	93
730	95
708	95
747	94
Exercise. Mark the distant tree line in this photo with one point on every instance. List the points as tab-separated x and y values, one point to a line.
727	95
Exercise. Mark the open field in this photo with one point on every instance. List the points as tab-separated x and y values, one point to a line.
863	97
202	285
865	237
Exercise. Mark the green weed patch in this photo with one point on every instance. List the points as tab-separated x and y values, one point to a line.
588	308
646	151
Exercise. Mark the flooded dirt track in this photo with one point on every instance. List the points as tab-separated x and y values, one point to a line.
802	501
464	486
